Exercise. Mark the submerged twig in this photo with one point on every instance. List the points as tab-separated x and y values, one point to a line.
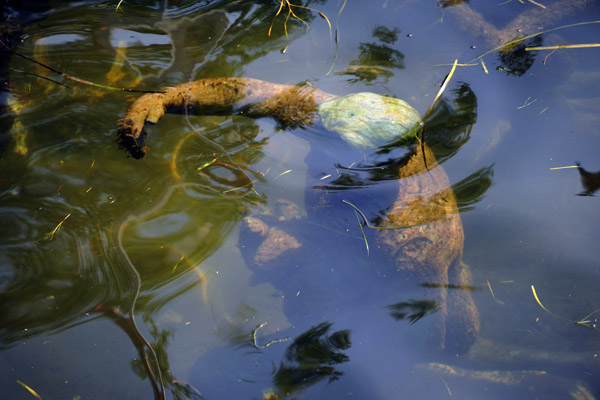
514	41
491	291
336	38
588	323
484	67
527	103
283	173
585	321
147	352
362	231
568	166
292	14
255	343
76	79
40	76
564	46
368	225
253	333
536	3
50	235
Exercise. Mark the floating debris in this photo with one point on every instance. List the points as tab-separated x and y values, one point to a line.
50	235
33	392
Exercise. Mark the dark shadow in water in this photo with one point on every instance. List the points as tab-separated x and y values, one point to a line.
12	22
449	125
515	60
450	3
376	60
91	273
470	190
179	390
52	285
240	370
147	366
314	355
413	310
447	129
219	172
448	286
239	47
311	358
589	180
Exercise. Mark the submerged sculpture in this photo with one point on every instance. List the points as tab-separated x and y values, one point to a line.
362	119
430	244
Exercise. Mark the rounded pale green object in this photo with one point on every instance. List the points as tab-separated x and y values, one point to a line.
370	120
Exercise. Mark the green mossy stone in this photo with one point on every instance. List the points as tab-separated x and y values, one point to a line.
369	120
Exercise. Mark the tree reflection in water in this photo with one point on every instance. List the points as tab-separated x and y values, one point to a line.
80	276
81	272
589	180
242	370
446	130
376	59
311	358
413	310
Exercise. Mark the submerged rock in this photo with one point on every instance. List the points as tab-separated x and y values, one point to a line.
422	232
275	243
370	120
272	241
428	244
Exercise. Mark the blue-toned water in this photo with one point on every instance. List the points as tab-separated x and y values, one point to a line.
138	279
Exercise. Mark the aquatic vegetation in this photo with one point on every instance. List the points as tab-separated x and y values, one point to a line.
186	150
413	310
290	7
311	357
585	321
430	244
519	34
19	100
376	60
589	180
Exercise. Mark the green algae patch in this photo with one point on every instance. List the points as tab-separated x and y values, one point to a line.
369	120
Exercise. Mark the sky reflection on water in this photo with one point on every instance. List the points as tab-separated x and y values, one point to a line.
66	326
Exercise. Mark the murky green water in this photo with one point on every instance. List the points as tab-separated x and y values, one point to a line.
124	278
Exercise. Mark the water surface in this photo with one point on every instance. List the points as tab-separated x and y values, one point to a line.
176	217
